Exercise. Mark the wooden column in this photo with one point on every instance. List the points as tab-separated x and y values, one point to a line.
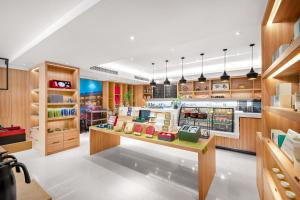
206	168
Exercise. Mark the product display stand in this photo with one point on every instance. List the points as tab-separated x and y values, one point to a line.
102	139
54	107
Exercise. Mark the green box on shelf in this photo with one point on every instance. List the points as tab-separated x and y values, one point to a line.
189	133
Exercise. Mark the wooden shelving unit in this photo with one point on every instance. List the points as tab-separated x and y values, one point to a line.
239	88
66	127
285	69
110	95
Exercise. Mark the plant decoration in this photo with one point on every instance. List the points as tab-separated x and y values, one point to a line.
127	98
176	102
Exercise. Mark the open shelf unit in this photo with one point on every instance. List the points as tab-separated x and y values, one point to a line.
236	88
114	95
285	69
58	122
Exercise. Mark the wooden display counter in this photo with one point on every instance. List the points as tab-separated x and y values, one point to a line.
247	136
102	139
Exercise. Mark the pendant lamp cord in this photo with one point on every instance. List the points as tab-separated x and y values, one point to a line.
202	61
182	66
166	69
224	59
153	71
252	56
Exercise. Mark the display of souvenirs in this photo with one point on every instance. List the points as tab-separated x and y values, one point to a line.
60	84
119	126
129	127
167	136
61	112
112	120
150	130
138	129
189	133
105	125
291	145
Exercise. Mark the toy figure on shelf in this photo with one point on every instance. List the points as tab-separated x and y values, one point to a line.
150	130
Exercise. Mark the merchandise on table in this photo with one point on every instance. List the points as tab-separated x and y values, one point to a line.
150	130
138	129
167	136
189	133
129	127
105	125
119	126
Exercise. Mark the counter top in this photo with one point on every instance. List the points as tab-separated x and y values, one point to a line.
247	115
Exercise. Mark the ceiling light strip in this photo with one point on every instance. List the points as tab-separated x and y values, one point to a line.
65	19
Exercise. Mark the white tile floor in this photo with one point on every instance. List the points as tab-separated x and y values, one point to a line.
136	170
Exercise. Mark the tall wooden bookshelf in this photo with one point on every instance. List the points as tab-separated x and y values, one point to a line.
286	68
54	134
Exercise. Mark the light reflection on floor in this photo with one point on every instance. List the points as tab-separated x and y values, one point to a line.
138	170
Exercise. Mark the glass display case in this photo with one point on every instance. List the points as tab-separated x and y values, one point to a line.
218	119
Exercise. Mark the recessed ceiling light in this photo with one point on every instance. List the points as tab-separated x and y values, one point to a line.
237	33
131	59
132	38
172	49
238	54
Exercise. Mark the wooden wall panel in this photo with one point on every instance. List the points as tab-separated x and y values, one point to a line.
138	96
14	101
247	139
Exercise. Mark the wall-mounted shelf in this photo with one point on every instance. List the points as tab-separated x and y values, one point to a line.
62	90
292	51
62	104
286	112
61	118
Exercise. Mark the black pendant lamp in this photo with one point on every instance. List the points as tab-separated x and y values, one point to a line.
167	82
182	81
153	83
202	78
252	75
225	77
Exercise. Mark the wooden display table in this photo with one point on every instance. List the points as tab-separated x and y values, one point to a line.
102	139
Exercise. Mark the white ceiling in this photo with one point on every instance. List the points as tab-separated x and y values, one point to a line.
85	33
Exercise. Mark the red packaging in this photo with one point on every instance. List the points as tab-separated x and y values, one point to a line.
60	84
166	136
150	130
138	128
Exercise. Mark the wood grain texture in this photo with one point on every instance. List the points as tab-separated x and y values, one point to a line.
32	191
206	168
14	101
247	139
102	139
100	142
19	146
138	96
259	163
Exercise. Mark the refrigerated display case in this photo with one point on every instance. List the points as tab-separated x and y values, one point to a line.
209	118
